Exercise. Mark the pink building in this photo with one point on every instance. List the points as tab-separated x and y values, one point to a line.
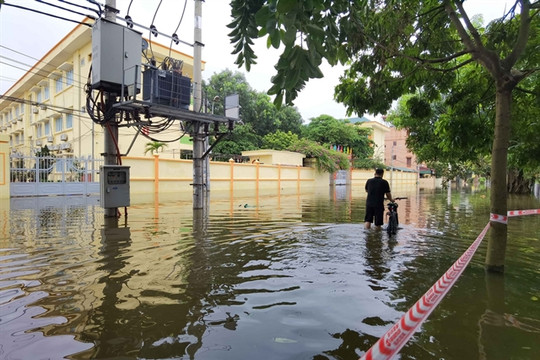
396	153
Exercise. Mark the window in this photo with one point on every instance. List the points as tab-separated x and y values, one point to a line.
409	161
69	121
58	124
395	143
58	83
39	131
69	77
46	93
47	128
22	108
38	96
394	157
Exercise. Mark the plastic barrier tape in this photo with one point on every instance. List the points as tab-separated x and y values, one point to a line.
398	335
498	218
523	212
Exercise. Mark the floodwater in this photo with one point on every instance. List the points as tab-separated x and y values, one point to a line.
288	277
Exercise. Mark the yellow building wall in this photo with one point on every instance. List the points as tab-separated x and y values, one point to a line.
4	167
25	124
162	175
275	157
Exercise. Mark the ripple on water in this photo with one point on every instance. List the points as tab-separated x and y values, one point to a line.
301	279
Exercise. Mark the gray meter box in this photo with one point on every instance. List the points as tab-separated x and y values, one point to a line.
114	186
116	57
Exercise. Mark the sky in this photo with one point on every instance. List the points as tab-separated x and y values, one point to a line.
25	37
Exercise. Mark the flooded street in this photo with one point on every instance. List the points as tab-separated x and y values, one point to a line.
288	277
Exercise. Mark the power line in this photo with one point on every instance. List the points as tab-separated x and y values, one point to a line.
18	52
61	109
62	8
76	83
177	27
84	7
51	15
153	29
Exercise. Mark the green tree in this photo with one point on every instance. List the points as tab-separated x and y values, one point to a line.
242	138
329	131
394	48
154	147
326	160
256	108
279	140
46	160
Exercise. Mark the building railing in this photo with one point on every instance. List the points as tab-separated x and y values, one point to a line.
53	169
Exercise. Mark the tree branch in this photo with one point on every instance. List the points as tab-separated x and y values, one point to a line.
488	58
468	24
442	60
452	68
521	40
469	44
527	91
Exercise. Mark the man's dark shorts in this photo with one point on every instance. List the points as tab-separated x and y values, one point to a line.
377	212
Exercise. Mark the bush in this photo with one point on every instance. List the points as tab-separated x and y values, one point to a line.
326	160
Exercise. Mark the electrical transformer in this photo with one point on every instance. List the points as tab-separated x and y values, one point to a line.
166	87
114	186
116	58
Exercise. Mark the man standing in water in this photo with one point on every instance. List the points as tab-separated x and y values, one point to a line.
376	189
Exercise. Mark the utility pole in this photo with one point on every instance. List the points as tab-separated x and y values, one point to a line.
199	192
110	129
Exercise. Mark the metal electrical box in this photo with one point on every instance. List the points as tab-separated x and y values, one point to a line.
116	57
166	87
114	186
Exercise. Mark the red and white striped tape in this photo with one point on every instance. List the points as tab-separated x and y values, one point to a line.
398	335
392	342
523	212
503	219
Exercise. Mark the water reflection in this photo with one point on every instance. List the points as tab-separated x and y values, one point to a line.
291	277
497	328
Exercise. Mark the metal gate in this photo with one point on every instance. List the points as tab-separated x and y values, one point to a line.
342	177
50	175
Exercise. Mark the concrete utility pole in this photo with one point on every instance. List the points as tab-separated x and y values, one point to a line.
199	192
110	131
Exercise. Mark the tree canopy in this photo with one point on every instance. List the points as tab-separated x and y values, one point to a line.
259	115
397	47
330	131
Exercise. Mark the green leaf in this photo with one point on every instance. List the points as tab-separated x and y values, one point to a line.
288	36
263	15
285	6
278	101
315	30
275	37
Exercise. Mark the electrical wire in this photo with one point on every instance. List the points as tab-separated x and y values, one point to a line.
98	5
53	107
51	15
129	7
177	27
76	84
20	53
153	29
81	6
62	8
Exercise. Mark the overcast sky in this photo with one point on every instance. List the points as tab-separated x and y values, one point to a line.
26	37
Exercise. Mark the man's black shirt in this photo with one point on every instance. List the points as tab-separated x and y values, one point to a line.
376	189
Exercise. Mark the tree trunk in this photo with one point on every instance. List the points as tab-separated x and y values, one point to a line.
517	184
498	234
